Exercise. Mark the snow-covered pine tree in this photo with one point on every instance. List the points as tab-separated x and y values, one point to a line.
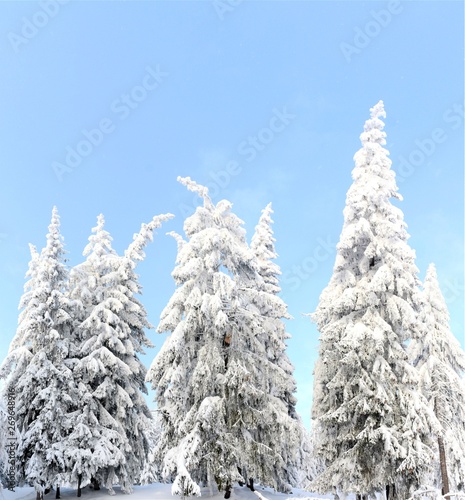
151	472
280	378
37	370
95	443
308	467
109	444
212	390
19	354
372	424
441	364
262	245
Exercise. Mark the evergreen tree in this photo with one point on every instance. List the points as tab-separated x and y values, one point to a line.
441	364
262	245
36	367
95	445
371	422
110	443
151	472
308	467
215	396
279	374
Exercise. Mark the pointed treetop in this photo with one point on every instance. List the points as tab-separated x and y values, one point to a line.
54	246
100	222
33	251
373	129
433	291
55	221
431	272
378	110
100	240
262	245
263	229
267	211
54	212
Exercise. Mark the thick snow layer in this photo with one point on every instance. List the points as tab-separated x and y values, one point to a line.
157	492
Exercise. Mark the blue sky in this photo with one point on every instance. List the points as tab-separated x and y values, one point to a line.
262	101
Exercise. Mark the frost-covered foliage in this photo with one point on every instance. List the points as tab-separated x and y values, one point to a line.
221	384
151	472
441	364
273	337
309	467
73	366
262	245
109	441
37	369
371	423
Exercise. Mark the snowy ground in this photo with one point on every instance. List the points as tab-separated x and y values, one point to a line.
156	492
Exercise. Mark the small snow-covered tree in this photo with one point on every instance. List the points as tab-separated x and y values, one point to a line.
151	472
37	370
371	423
308	466
215	393
109	444
279	370
441	364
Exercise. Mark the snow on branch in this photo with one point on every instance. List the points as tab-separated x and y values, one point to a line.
425	491
193	186
378	110
373	128
179	239
144	236
33	251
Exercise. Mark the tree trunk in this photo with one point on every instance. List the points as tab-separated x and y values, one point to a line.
95	484
443	464
250	485
228	491
39	495
390	491
57	493
241	483
79	485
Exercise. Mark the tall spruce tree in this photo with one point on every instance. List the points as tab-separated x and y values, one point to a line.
281	381
213	378
37	368
95	446
441	364
110	443
372	425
